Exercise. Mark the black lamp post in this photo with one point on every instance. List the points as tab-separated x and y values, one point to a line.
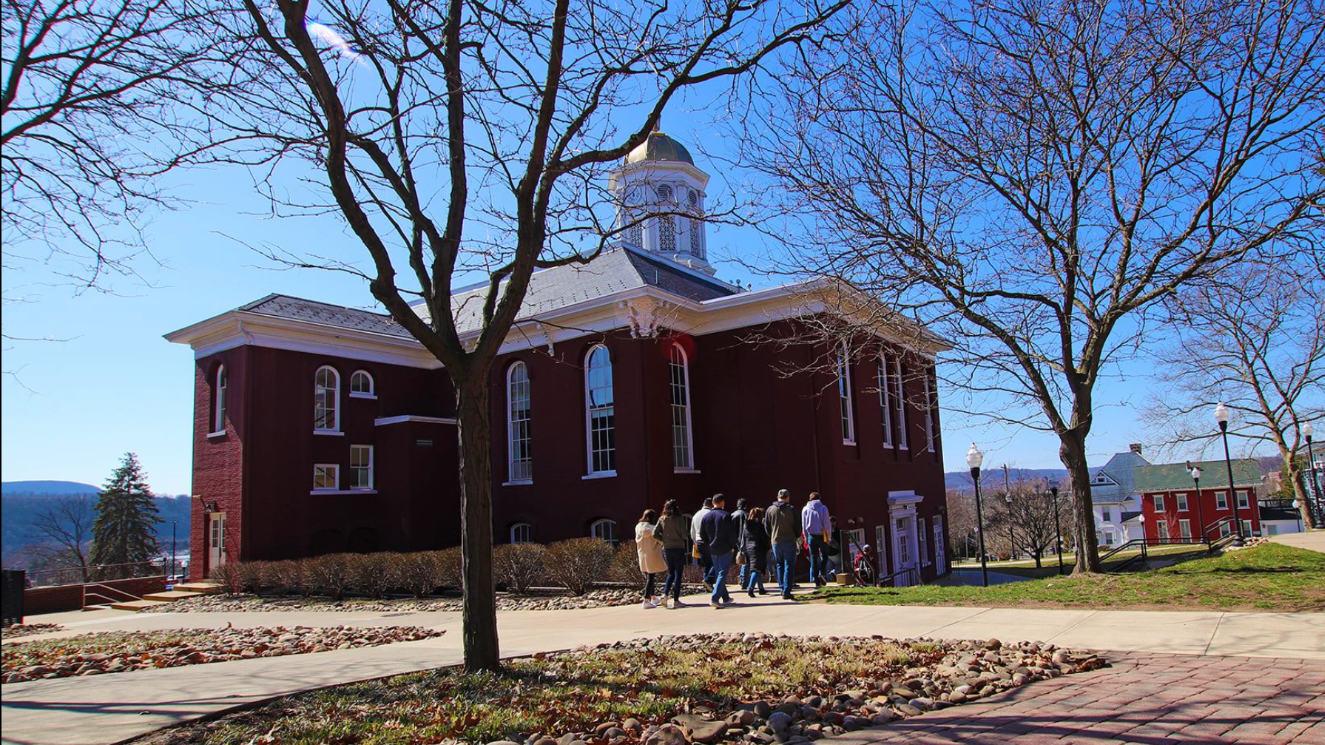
1221	416
1058	529
973	459
1012	540
1195	471
1315	482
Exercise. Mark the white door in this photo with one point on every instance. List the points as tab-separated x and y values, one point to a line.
904	550
940	551
881	549
215	541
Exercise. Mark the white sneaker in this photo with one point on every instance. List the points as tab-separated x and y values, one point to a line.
647	605
671	603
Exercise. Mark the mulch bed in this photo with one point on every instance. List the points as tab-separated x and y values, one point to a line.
121	651
758	689
16	630
505	602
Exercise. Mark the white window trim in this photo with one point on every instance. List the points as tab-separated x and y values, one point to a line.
335	428
372	386
1244	499
1221	497
219	402
335	469
372	467
1185	529
1181	502
1247	529
922	539
903	441
588	415
598	475
885	401
931	437
1159	503
688	467
844	393
510	425
1161	529
510	533
601	521
342	492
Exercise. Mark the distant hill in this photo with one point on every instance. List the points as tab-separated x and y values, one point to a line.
992	478
59	488
21	507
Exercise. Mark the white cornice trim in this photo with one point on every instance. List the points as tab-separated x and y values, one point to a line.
403	418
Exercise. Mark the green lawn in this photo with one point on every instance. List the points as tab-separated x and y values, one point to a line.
1027	568
1266	577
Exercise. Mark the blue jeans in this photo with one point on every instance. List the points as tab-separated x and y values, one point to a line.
754	579
720	564
676	564
818	558
784	563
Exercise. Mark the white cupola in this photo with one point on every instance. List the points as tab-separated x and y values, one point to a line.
660	202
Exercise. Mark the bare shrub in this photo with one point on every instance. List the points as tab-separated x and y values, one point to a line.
625	564
520	566
449	569
371	574
419	572
578	563
330	574
250	575
229	577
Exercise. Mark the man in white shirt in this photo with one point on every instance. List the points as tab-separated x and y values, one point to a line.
705	561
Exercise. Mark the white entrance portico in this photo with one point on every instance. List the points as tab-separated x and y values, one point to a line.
906	557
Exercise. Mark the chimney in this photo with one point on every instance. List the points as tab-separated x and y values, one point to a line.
1135	447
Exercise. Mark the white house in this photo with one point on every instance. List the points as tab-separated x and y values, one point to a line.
1116	504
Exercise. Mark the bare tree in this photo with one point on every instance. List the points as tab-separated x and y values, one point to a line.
95	102
1032	178
1254	340
464	139
1031	515
67	524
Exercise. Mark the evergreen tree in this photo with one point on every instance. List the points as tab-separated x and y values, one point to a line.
124	533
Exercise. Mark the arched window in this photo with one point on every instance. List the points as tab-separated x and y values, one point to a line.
604	530
361	385
218	408
522	533
326	400
683	457
899	403
885	400
844	396
664	193
600	411
519	457
931	432
696	224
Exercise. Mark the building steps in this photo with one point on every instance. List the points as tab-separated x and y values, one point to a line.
95	607
137	605
172	595
201	588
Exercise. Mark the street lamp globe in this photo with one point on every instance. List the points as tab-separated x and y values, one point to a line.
974	457
1221	414
1195	471
1306	430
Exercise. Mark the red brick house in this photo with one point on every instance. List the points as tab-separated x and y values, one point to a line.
1174	511
625	382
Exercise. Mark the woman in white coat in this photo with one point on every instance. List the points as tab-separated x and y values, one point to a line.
651	561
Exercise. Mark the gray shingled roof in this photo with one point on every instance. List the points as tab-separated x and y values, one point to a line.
1120	469
285	306
1214	474
612	271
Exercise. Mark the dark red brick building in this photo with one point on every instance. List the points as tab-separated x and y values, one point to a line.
633	379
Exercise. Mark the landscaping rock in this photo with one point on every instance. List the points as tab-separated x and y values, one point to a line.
667	734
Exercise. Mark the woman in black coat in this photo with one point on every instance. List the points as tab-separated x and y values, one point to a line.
755	545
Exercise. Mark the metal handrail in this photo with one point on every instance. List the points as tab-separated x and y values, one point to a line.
889	580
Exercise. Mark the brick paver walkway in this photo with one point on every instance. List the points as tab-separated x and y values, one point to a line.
1150	699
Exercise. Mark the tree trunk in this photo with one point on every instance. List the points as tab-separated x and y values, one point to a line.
480	593
1301	494
1037	559
1072	451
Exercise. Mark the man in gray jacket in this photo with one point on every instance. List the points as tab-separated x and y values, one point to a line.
783	521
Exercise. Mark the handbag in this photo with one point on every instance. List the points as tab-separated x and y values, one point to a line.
740	558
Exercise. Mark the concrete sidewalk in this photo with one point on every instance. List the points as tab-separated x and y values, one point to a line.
110	708
1313	540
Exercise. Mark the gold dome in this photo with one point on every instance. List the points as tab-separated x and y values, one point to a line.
659	147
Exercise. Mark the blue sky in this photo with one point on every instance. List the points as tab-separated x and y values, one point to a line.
113	384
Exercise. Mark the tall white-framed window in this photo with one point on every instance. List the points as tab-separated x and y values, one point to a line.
844	395
1244	500
1181	499
1159	502
683	450
930	438
600	411
881	540
326	477
923	537
362	385
1185	529
326	400
218	408
899	400
519	453
885	400
522	533
603	529
1162	529
1221	500
361	466
1246	529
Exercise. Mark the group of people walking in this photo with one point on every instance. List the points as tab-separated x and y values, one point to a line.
716	539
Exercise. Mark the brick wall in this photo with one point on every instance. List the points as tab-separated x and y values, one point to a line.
38	600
